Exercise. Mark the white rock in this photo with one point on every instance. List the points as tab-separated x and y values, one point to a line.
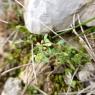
87	72
12	87
84	75
89	67
1	8
40	15
89	13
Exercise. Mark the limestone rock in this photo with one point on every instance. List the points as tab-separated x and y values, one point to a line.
87	72
42	15
1	9
89	13
12	87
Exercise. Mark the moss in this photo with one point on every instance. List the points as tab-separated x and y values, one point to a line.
48	52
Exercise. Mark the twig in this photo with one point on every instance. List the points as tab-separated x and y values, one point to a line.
20	3
33	65
12	69
65	30
91	92
4	21
83	23
78	66
92	52
72	79
39	90
85	90
53	32
83	43
7	39
34	72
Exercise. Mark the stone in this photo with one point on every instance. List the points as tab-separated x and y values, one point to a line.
12	87
84	75
89	13
1	9
87	72
43	15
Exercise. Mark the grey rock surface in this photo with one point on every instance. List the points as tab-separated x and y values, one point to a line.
87	72
1	10
89	13
42	15
12	87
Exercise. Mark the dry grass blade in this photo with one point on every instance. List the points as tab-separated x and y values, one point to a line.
7	39
65	30
51	30
34	70
87	89
91	49
78	66
4	21
12	69
72	79
29	77
91	92
54	32
33	65
20	3
84	44
83	91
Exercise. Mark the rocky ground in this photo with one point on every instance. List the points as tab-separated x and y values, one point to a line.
48	64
